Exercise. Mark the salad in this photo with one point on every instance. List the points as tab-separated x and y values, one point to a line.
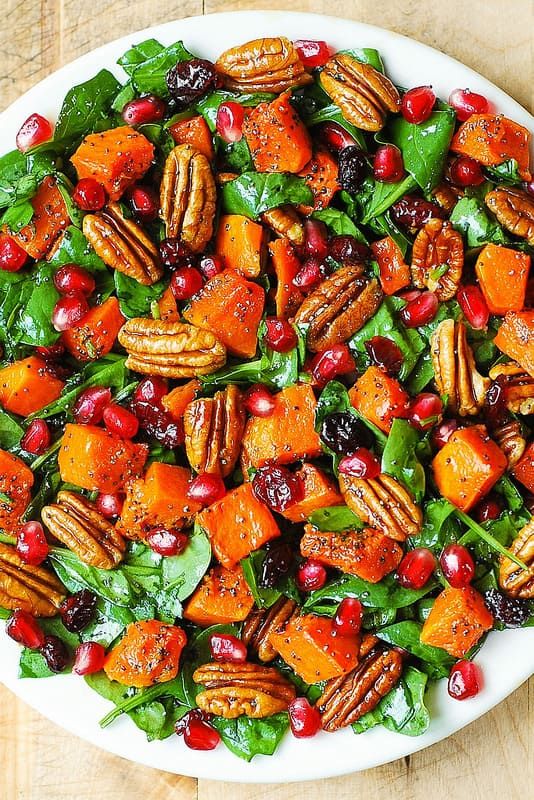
266	393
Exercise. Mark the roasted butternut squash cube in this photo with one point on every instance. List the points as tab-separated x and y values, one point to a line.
319	492
148	653
524	469
241	243
456	621
16	481
50	218
27	386
222	597
379	398
95	335
503	276
515	337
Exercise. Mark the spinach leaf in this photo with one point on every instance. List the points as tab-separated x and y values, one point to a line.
403	709
48	486
440	526
399	458
138	54
367	55
507	172
246	737
332	113
374	198
339	223
471	219
20	175
335	518
112	585
407	635
251	566
237	156
507	489
86	108
252	193
10	431
147	66
33	324
209	105
75	249
17	216
386	594
136	300
185	571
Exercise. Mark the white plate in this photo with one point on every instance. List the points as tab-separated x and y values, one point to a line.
507	658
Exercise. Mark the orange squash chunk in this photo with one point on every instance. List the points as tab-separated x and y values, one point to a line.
116	158
467	467
222	597
286	265
97	460
492	139
148	653
524	469
96	334
394	272
237	525
167	306
193	131
231	308
319	492
179	398
240	243
278	139
16	481
26	386
311	646
515	337
321	175
287	435
379	398
503	276
50	218
456	621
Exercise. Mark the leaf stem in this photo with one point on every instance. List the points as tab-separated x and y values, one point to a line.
131	703
488	538
38	462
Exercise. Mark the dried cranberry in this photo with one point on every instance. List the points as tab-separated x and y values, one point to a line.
188	81
345	249
388	166
186	282
229	121
277	487
210	266
443	432
348	617
276	563
310	575
304	719
329	363
109	505
385	354
160	425
280	335
89	407
120	421
425	410
174	253
465	680
197	732
35	130
258	401
89	195
309	274
466	103
144	202
151	392
143	110
343	433
457	565
361	464
465	171
416	568
32	546
72	279
166	542
312	53
37	438
69	311
24	629
225	647
12	256
352	168
512	612
414	212
495	400
474	306
417	104
488	509
316	239
206	489
421	310
78	611
55	653
89	657
335	137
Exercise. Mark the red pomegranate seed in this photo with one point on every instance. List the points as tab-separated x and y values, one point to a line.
225	647
465	171
280	335
308	275
310	575
417	104
388	166
329	363
410	294
312	53
12	256
416	568
348	617
278	487
186	282
72	279
68	311
197	732
473	304
89	657
466	103
210	266
206	489
229	121
37	438
420	310
316	239
385	354
465	680
52	353
90	405
143	110
258	401
32	546
335	136
109	505
361	464
89	195
443	432
167	542
457	565
120	421
24	629
35	130
151	391
305	719
488	509
425	411
144	202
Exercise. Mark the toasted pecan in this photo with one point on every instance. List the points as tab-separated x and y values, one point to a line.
455	371
213	429
33	589
270	64
516	581
438	259
384	504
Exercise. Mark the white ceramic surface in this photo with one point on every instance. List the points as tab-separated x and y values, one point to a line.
507	658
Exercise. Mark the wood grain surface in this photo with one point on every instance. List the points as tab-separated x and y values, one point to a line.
492	758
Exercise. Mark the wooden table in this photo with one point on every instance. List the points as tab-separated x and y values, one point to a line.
492	757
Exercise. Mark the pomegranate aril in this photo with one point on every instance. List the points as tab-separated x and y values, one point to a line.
175	253
206	489
425	411
166	542
309	274
24	629
37	438
69	311
335	136
310	575
89	195
120	421
417	104
443	432
150	391
315	239
335	360
89	657
143	110
457	565
345	249
72	279
305	719
385	354
144	202
89	407
420	311
361	464
416	568
388	166
52	353
488	509
312	52
465	680
186	282
210	266
12	256
225	647
465	171
78	610
55	653
197	732
229	121
277	487
466	103
280	335
35	130
348	617
109	505
474	306
258	401
32	546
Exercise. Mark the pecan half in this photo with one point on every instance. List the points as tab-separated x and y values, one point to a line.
76	522
509	437
339	307
362	93
233	690
514	209
32	589
261	623
263	65
519	387
446	196
213	431
349	697
384	504
170	349
285	221
123	245
438	259
515	581
455	371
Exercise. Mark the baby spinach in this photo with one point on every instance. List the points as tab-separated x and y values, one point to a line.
440	526
486	534
209	105
246	737
403	709
32	664
339	223
335	518
111	585
407	635
507	172
400	460
252	193
74	248
138	54
86	108
251	566
367	55
473	221
147	65
374	198
20	176
185	571
237	156
136	300
38	296
10	431
388	593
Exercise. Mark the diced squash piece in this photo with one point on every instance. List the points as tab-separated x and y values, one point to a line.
467	467
278	139
96	334
167	307
222	597
116	158
524	469
492	139
287	435
98	461
321	175
193	131
240	243
394	272
379	398
16	481
231	308
148	653
313	648
368	554
27	386
50	218
179	398
237	525
319	492
286	265
503	276
456	621
515	337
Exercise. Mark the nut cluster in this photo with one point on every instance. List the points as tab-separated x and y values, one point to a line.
455	371
263	65
519	388
213	429
285	221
